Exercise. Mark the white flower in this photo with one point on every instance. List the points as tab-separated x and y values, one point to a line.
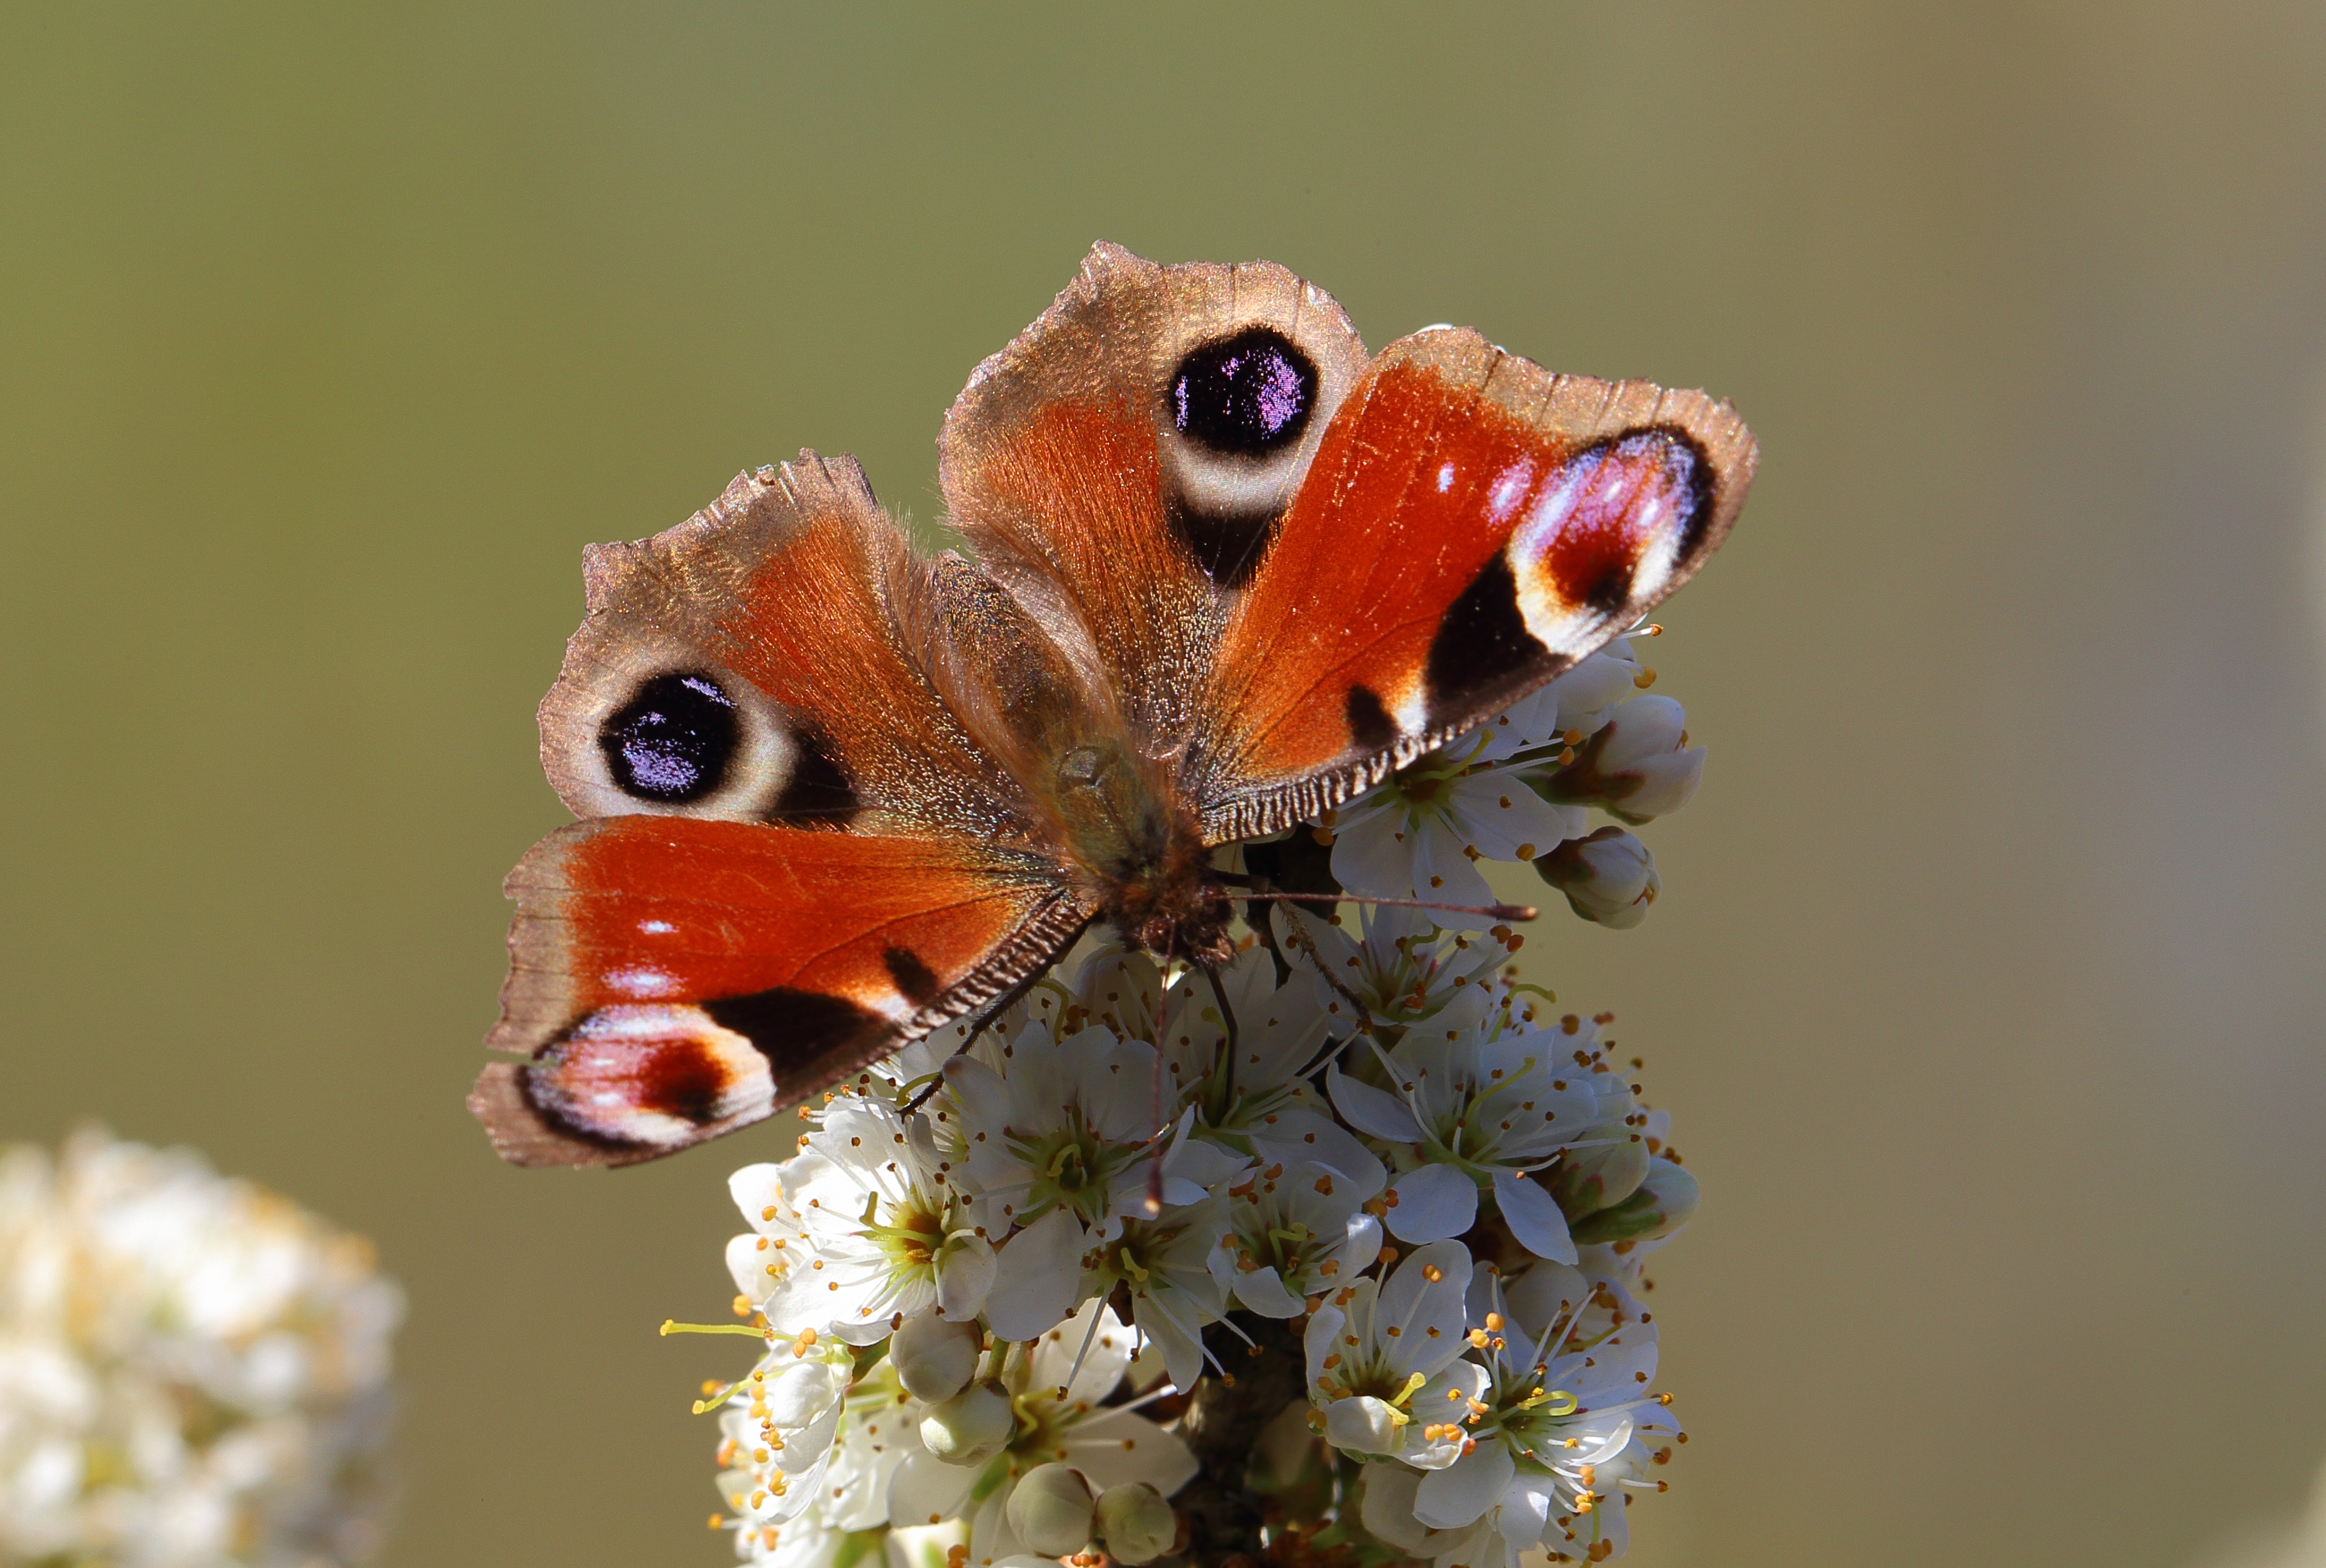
1384	1360
1420	832
1404	970
777	1240
1471	1107
1061	1139
801	1514
1262	1105
1638	767
1608	877
1165	1263
1063	1418
782	1422
888	1231
1564	1431
1296	1231
193	1370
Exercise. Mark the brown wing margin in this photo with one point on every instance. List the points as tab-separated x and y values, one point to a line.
1472	525
672	979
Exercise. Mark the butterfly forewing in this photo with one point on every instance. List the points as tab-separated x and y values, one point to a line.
1471	526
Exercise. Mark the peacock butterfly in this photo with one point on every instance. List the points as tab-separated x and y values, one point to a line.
1230	570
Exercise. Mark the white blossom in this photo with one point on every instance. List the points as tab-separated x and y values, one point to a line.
888	1232
1385	1360
1294	1231
1469	1107
192	1369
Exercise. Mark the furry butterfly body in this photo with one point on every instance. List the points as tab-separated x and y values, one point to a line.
1230	569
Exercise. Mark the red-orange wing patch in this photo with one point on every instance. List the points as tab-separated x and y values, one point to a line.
1472	525
1120	465
673	979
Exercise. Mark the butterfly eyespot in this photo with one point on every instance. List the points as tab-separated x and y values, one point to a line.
1249	394
672	743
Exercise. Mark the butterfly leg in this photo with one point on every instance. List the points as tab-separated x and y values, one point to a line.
1227	1022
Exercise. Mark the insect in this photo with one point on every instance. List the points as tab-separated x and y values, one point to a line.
1230	569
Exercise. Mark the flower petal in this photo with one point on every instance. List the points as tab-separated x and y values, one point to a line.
1039	1270
1433	1202
1388	1507
1452	1497
1371	1110
1533	1215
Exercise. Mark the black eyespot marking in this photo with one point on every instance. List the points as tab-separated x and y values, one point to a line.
1249	394
795	1029
672	742
1369	725
1480	643
818	794
915	982
1229	549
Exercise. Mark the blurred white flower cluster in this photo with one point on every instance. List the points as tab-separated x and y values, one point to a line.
193	1371
1337	1260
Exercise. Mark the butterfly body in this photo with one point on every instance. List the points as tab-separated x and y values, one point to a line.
1229	569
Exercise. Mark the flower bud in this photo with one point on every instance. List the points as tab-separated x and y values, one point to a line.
1608	877
972	1426
1136	1523
1601	1171
1633	766
1662	1204
934	1359
1050	1511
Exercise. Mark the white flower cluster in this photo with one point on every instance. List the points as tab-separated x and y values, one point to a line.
193	1371
1340	1245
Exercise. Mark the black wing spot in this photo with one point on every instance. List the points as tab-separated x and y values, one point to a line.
914	981
818	794
1369	725
1247	396
1698	473
1481	641
672	742
794	1030
1229	547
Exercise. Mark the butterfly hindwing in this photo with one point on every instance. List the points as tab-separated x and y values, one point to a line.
1470	526
747	665
1120	465
673	979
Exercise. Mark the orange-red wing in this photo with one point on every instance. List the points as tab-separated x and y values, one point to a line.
673	979
1120	465
1472	525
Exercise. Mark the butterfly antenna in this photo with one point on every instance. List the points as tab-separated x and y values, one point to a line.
1493	911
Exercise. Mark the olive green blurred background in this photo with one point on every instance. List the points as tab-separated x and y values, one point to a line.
1986	985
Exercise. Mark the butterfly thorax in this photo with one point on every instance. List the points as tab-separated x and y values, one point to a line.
1138	855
